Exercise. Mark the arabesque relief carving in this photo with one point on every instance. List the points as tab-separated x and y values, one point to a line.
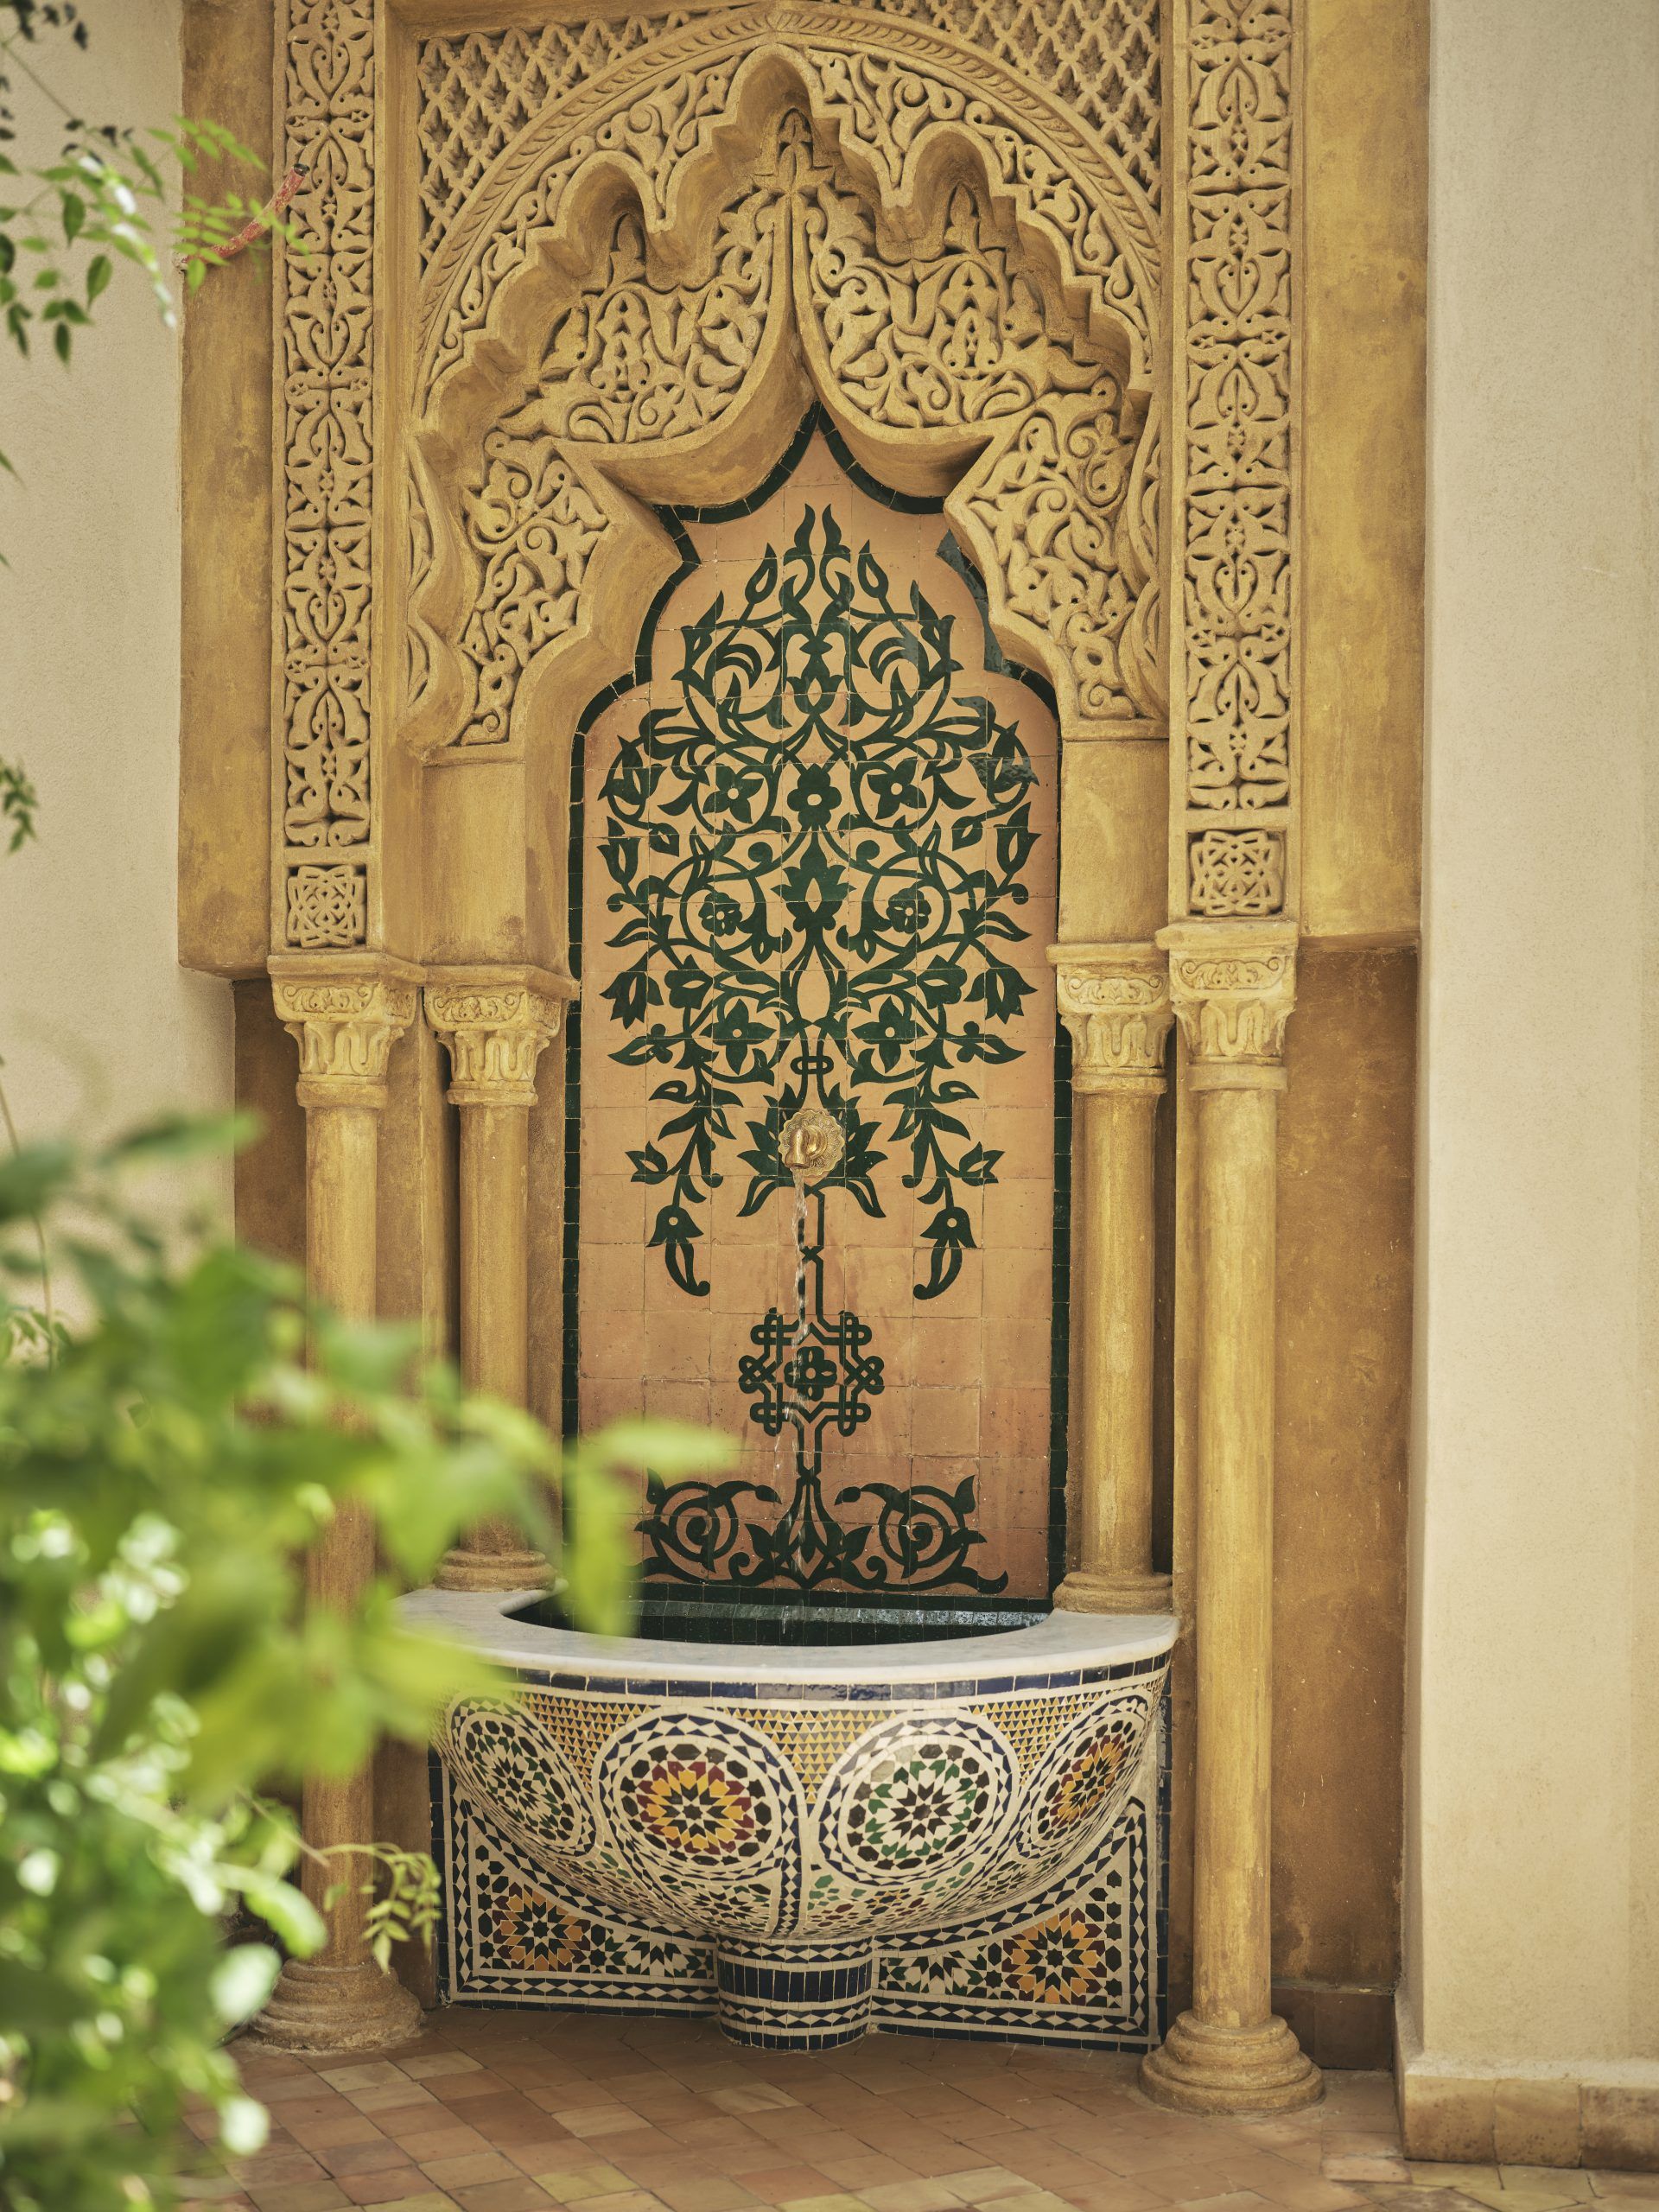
1235	528
847	228
323	797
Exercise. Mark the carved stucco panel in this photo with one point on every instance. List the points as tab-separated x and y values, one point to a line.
322	799
982	320
1234	793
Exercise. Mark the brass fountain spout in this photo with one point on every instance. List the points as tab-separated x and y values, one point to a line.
809	1144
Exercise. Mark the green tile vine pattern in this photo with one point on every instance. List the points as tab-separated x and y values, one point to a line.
812	1375
817	820
816	851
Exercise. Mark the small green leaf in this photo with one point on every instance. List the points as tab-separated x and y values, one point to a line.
97	276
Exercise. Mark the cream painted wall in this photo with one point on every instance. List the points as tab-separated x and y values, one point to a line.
99	1026
1532	1785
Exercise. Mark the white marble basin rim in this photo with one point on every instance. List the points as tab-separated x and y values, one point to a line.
1060	1643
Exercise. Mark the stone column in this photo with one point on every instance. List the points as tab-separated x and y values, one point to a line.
344	1015
495	1022
1115	1001
1233	985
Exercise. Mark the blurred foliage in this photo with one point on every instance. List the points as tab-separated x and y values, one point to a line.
164	1465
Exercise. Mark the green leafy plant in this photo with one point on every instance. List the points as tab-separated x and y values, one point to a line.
164	1466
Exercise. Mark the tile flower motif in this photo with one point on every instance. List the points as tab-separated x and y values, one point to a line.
1058	1960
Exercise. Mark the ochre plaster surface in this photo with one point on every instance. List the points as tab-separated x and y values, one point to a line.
1533	1784
1339	1500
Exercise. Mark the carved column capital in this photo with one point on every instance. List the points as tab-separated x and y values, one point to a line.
1115	1001
344	1015
1233	986
495	1022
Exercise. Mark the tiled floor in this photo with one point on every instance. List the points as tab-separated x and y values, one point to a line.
511	2112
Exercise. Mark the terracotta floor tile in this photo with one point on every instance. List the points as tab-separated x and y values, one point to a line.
461	2173
544	2150
713	2194
450	2142
859	2169
581	2185
749	2097
388	2185
375	2157
784	2184
429	2199
301	2196
977	2185
718	2128
426	2064
394	2096
910	2196
369	2074
1112	2195
590	2120
1035	2200
519	2195
1234	2200
460	2089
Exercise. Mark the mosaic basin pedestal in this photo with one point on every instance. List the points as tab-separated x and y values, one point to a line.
795	1838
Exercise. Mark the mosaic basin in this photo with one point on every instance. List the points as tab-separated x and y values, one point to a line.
792	1808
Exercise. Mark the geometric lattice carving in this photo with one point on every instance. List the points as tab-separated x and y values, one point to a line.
479	90
1236	530
1101	57
325	380
324	906
1237	872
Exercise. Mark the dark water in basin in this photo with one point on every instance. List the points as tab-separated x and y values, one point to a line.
719	1616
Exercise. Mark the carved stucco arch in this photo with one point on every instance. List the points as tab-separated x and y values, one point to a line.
533	549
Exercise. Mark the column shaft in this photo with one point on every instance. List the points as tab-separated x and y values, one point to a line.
1233	986
495	1024
1115	1363
1115	1001
345	1021
1232	1967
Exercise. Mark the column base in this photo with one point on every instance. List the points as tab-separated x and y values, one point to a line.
465	1570
1113	1589
1202	2068
327	2009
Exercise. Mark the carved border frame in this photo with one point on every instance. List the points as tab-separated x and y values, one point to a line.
1232	604
1231	104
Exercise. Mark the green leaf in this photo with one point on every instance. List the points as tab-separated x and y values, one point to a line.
242	1981
97	276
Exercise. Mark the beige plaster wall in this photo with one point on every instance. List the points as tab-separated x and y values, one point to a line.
1533	1754
99	1026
